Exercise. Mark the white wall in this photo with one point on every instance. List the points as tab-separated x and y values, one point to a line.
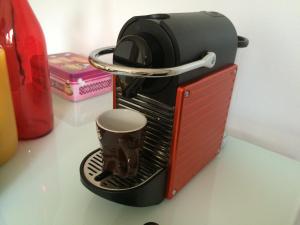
265	107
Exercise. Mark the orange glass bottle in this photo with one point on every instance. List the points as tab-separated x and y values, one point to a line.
8	129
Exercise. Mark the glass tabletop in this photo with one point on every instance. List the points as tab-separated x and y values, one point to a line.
245	184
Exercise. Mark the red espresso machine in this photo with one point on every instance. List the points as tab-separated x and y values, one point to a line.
178	70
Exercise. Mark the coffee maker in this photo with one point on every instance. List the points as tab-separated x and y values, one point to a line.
178	70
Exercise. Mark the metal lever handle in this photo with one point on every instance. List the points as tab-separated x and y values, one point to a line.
207	61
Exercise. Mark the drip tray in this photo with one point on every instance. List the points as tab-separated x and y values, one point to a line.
92	170
145	189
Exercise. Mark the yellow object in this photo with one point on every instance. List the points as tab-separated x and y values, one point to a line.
8	129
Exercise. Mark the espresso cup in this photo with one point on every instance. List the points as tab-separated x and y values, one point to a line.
121	132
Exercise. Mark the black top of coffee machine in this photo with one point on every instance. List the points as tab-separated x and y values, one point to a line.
169	40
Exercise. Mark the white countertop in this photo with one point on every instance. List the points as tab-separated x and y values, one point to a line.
244	185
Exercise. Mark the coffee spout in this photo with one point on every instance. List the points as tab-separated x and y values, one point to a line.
130	86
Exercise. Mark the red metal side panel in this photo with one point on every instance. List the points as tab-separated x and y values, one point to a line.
199	123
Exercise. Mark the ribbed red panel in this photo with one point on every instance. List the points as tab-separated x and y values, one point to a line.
199	123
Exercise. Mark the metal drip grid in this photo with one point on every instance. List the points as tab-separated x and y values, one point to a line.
93	171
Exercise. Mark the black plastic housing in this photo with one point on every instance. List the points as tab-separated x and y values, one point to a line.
178	38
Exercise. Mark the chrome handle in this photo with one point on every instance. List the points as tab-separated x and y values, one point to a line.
207	61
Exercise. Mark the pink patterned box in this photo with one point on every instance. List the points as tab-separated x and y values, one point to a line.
73	78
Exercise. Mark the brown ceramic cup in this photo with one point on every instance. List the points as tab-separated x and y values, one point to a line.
120	132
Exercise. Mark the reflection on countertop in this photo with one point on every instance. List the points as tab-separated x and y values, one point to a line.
83	112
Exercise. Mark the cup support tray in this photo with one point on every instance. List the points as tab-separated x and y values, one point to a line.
148	187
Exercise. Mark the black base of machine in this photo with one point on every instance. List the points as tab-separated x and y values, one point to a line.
145	189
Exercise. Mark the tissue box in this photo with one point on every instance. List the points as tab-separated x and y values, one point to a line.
73	78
